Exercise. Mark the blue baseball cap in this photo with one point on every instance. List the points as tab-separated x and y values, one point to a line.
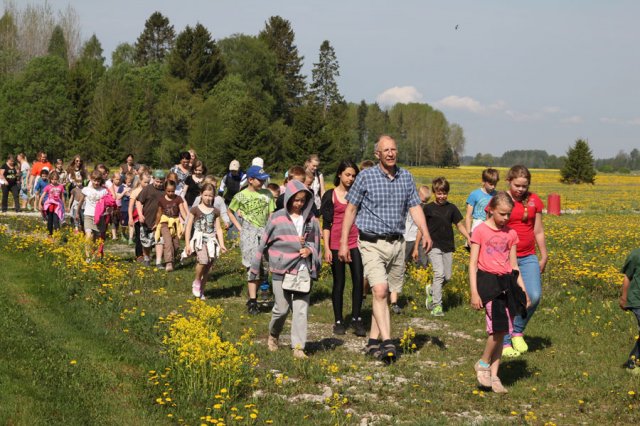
257	172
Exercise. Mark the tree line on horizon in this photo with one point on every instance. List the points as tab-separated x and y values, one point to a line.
235	98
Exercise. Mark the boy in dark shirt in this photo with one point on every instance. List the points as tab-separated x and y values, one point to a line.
147	206
441	215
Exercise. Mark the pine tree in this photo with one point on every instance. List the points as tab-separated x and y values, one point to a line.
578	168
279	37
197	59
155	41
363	109
57	43
9	54
324	88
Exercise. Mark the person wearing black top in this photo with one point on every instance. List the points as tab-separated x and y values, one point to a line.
10	177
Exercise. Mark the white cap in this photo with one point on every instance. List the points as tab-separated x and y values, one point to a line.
234	166
257	162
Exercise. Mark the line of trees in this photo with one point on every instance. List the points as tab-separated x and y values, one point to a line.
238	97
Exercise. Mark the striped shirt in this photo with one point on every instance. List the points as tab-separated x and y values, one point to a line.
383	202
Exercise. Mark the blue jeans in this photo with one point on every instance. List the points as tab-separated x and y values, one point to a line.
530	271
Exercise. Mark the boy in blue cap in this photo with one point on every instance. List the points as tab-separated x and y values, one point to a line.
254	205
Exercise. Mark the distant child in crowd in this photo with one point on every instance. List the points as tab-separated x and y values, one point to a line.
147	207
441	216
495	285
40	185
410	234
333	207
193	183
275	190
143	180
53	203
292	238
526	220
630	300
295	172
92	194
76	200
255	205
116	181
168	223
479	198
123	197
203	236
218	202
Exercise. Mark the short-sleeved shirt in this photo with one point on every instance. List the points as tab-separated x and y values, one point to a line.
256	206
171	207
40	186
91	198
38	166
149	197
479	199
383	201
526	237
495	245
55	193
440	221
631	269
193	189
204	222
11	174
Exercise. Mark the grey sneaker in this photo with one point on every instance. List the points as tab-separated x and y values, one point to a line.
396	309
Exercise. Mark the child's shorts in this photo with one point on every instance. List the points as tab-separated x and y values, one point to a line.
249	242
148	237
90	225
202	256
498	318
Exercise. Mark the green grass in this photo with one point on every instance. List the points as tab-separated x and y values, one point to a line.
578	339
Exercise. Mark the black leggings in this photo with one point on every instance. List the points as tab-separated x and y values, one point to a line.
53	222
136	228
14	188
357	279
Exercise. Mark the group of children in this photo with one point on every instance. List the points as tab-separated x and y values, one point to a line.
278	226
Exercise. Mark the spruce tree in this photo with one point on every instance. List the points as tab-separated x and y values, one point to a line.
57	43
196	58
155	41
9	54
280	38
324	88
578	168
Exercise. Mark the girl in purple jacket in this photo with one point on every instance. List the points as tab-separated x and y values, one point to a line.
292	238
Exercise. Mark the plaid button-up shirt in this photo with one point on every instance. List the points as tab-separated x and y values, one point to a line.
383	202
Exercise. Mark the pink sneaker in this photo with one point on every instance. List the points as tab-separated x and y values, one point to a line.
196	288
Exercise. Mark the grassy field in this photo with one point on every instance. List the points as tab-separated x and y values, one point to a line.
115	343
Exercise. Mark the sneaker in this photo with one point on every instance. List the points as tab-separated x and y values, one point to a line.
373	350
437	311
146	262
428	302
252	307
388	352
159	266
272	343
483	374
299	354
130	242
509	352
358	327
519	344
203	297
496	385
169	267
339	328
196	288
396	309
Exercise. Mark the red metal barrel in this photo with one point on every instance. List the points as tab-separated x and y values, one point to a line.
553	204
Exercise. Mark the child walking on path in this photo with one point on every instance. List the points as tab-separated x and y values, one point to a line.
526	220
332	208
630	300
92	194
292	237
441	215
255	205
53	203
168	224
479	198
495	285
206	240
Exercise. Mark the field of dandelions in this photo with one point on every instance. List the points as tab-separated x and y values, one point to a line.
206	362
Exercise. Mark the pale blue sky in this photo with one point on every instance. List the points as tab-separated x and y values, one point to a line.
534	74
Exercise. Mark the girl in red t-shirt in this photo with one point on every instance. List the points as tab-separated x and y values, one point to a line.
526	220
494	286
332	208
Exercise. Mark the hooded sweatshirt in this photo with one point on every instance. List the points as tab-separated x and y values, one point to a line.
282	241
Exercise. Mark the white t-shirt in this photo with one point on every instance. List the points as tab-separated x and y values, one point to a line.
91	198
410	229
298	222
